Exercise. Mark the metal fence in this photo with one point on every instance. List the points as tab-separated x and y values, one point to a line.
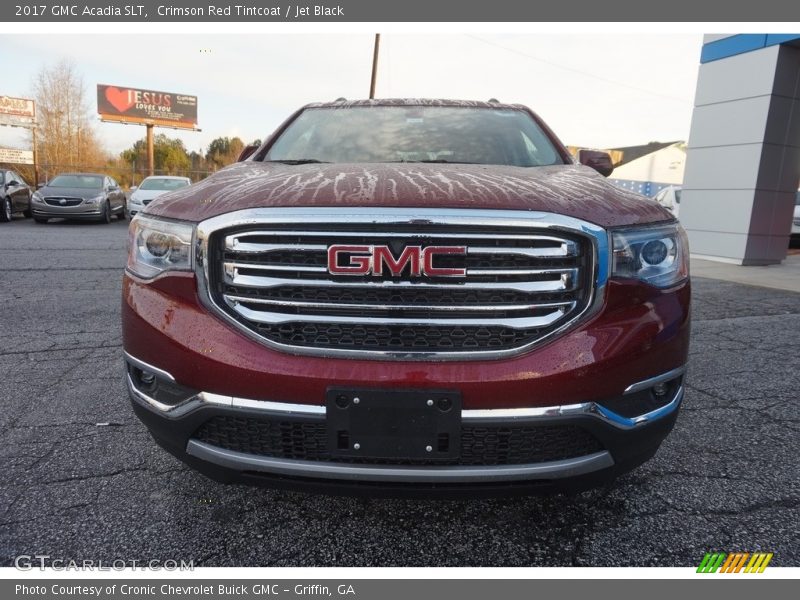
125	175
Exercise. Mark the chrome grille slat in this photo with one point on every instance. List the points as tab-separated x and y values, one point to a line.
384	307
561	249
569	274
232	240
517	279
273	318
563	284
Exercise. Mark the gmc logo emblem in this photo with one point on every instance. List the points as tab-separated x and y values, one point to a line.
372	260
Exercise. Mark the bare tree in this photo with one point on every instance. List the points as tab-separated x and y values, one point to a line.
66	137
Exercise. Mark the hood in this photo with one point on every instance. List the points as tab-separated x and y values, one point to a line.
571	190
66	192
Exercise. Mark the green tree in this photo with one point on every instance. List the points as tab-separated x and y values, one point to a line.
169	155
224	151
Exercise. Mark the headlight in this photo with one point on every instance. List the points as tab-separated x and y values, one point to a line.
156	246
135	199
657	255
37	197
95	200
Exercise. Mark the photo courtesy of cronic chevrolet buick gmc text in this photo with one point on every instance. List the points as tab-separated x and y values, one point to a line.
408	296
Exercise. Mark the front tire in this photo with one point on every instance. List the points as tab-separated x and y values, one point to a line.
5	210
106	216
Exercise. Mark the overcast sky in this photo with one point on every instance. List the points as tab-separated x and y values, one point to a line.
593	90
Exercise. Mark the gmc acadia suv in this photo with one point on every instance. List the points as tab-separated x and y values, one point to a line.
408	296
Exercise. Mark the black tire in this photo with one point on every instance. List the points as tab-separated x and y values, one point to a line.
39	220
106	216
28	211
5	210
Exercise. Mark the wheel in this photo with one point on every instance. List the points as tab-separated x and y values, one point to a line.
39	220
5	210
106	216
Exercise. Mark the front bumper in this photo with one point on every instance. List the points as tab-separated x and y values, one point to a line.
589	379
81	211
623	441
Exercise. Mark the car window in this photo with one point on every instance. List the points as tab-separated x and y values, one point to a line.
87	182
677	196
2	177
455	134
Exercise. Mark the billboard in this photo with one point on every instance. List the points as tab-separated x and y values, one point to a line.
148	107
17	111
17	157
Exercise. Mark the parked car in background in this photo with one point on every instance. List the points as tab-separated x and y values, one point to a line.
15	195
151	188
92	196
670	198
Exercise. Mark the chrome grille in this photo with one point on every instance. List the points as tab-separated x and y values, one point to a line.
524	281
56	201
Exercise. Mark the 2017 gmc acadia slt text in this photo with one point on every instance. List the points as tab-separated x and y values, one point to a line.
408	296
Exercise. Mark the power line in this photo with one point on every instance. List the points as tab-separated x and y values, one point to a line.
578	71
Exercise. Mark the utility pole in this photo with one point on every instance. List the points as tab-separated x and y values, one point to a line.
35	159
150	157
374	66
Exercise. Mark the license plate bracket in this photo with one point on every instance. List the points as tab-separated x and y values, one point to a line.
398	424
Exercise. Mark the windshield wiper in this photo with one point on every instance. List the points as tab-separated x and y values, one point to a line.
297	161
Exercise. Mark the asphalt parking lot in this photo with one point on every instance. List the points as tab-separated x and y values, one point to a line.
82	480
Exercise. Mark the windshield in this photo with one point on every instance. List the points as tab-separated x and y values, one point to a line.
451	134
88	182
163	183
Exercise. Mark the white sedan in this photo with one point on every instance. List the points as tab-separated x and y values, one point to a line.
151	188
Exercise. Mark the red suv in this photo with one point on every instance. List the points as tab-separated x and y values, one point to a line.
408	295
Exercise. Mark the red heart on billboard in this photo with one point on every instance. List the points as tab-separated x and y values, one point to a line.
119	99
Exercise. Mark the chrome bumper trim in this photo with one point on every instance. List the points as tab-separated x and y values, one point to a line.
557	469
583	409
648	383
148	367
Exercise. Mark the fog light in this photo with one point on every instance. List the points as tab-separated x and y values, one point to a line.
660	389
147	378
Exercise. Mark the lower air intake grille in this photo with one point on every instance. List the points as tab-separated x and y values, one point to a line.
480	444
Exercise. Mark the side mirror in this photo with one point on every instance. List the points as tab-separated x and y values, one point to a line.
247	152
134	188
13	183
597	160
